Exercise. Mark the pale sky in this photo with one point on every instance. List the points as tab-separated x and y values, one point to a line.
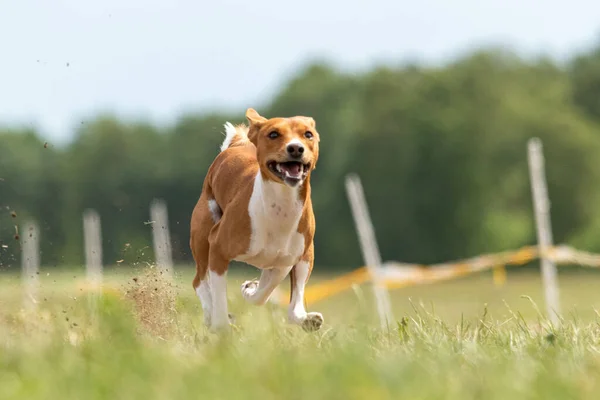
65	60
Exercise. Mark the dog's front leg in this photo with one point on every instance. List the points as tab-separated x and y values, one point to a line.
218	290
258	292
296	312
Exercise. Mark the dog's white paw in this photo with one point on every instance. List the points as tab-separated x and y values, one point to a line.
249	288
223	327
312	322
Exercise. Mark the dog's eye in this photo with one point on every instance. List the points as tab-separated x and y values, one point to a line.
308	135
273	135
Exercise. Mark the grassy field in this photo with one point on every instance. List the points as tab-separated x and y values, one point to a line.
464	339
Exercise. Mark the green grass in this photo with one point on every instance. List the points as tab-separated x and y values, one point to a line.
464	339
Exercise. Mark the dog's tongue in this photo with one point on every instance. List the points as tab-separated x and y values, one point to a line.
292	170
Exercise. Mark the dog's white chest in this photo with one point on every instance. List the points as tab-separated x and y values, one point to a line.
275	212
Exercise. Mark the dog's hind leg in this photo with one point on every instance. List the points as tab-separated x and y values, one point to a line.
201	283
203	220
258	292
221	319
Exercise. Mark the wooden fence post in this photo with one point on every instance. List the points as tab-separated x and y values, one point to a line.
541	206
368	244
93	248
30	263
161	236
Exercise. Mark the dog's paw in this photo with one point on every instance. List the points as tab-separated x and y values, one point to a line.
312	322
249	288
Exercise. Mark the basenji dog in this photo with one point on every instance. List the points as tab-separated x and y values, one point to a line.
255	207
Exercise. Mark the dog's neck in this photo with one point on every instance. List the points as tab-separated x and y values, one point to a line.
282	193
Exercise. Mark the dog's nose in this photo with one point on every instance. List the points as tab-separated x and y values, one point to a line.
295	150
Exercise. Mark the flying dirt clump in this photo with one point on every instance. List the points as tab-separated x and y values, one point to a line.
153	294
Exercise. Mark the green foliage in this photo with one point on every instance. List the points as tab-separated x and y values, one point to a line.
585	74
441	151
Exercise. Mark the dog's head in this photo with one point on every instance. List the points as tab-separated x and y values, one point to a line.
287	148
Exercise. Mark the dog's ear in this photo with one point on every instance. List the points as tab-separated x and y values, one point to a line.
254	117
256	121
308	121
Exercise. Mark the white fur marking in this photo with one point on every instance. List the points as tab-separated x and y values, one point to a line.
275	212
296	311
218	292
295	141
203	292
230	133
215	210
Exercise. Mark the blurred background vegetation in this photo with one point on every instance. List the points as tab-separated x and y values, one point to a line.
441	152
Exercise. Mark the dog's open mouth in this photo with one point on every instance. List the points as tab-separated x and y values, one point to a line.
290	172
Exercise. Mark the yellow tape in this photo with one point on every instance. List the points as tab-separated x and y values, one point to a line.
425	274
523	255
429	275
421	274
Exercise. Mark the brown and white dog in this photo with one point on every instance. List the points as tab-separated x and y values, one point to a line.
255	207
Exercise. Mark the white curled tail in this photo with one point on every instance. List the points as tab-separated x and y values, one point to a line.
234	136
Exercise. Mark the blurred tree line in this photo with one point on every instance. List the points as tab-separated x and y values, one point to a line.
441	152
